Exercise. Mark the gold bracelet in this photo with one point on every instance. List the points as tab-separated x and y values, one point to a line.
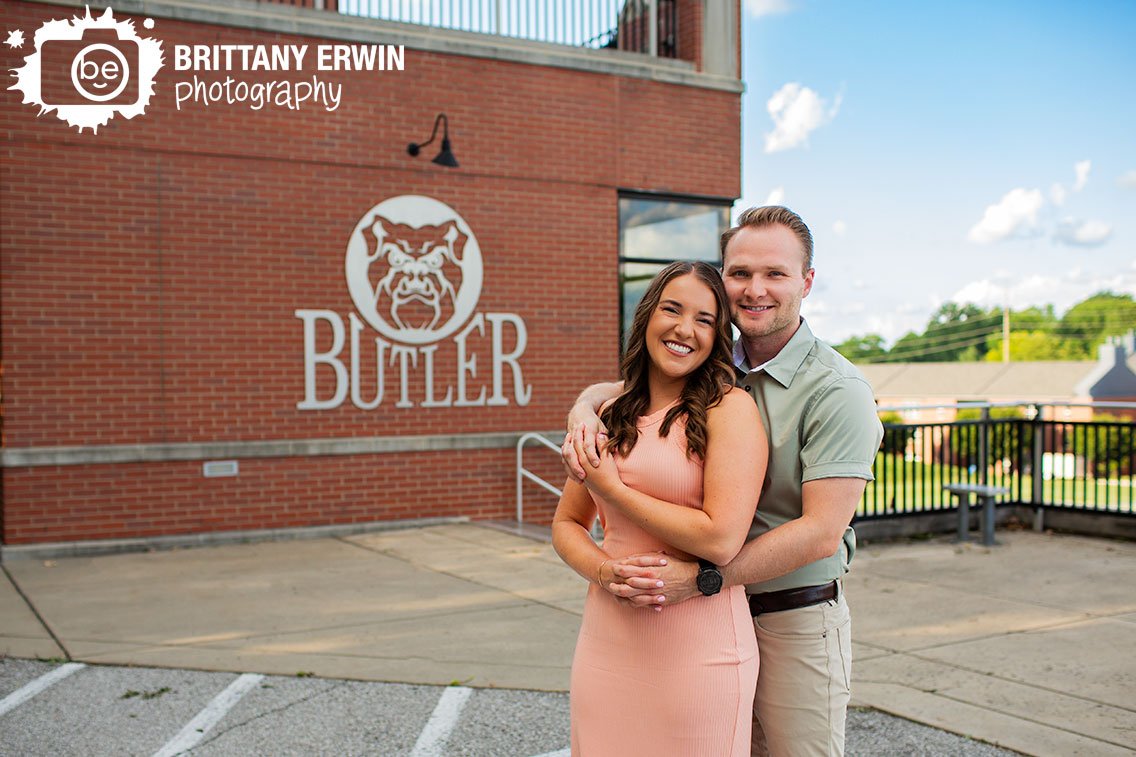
599	571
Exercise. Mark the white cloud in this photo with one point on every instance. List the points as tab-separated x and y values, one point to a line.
891	326
1014	215
985	293
796	112
1080	233
1057	194
1081	168
759	8
840	228
836	322
776	197
1062	290
1127	180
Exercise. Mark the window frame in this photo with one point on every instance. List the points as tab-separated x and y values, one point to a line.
662	197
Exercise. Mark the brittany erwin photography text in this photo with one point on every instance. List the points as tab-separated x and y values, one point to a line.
284	92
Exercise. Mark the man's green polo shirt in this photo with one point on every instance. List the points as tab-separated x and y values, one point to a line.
820	415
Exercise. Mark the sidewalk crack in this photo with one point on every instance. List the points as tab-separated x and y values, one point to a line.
467	579
35	611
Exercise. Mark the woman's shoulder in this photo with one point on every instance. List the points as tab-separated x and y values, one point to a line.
736	405
734	396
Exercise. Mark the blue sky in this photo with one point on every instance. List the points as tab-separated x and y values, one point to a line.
966	151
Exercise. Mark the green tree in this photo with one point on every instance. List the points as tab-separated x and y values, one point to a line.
1102	315
908	344
1110	450
896	433
1004	440
1034	319
862	349
1037	345
965	332
954	332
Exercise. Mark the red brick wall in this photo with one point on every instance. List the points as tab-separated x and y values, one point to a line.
151	273
154	499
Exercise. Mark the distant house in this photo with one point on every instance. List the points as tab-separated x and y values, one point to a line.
927	393
905	386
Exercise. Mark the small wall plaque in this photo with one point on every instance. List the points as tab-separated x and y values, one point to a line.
220	468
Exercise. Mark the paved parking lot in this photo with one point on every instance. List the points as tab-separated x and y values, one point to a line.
49	708
1027	645
99	710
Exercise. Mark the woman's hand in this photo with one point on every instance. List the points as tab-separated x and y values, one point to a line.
636	581
580	449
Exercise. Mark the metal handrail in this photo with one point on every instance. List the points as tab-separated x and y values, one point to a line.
523	473
1092	462
628	25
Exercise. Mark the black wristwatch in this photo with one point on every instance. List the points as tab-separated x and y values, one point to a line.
709	579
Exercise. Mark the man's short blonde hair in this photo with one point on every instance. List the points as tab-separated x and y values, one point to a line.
772	215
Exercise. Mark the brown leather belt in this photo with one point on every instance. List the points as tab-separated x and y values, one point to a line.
791	599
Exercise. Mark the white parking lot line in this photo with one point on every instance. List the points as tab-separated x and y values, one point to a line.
196	729
561	753
24	693
432	741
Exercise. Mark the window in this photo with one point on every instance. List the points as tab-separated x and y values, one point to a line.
655	230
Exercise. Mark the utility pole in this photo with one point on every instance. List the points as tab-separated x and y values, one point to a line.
1006	333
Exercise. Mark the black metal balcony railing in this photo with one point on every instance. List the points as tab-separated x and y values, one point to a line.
1044	463
1055	465
615	24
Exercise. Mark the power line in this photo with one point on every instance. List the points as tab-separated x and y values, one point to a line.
907	353
1095	329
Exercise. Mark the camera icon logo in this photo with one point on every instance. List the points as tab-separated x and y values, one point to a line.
102	69
89	70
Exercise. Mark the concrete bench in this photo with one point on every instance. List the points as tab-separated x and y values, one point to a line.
986	495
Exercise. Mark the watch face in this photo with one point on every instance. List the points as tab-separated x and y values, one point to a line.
709	582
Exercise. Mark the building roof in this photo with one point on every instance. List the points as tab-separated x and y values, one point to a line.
1111	376
1050	379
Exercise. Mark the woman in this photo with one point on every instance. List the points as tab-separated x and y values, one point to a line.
681	473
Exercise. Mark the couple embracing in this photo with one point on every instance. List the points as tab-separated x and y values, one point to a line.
725	476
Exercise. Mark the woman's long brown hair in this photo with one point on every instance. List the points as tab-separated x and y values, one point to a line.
705	386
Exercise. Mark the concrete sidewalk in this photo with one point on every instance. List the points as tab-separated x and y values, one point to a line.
1031	645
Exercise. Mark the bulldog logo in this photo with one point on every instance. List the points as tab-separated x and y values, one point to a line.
414	269
422	265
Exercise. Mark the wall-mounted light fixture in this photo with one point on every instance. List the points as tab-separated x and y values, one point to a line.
446	156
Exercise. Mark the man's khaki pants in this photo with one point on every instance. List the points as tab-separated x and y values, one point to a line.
803	685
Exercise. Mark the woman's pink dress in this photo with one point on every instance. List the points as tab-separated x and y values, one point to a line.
675	682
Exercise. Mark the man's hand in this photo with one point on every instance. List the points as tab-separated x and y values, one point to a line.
653	580
580	442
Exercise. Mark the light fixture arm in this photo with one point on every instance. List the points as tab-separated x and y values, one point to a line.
414	147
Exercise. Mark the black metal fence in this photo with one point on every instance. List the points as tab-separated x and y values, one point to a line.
1043	463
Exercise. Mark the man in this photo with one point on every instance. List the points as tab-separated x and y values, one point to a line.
820	417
